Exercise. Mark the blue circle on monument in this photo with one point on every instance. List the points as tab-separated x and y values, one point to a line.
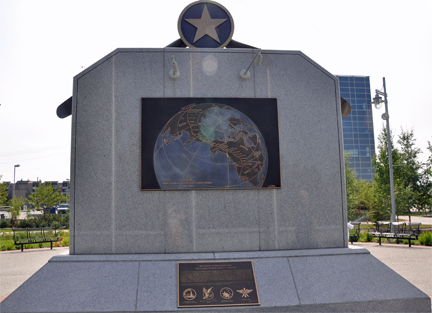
210	146
205	24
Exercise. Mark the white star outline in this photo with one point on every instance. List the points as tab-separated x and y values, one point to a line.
205	25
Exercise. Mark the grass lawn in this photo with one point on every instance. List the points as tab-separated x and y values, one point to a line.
7	243
427	214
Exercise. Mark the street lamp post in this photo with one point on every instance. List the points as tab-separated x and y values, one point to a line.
377	101
13	190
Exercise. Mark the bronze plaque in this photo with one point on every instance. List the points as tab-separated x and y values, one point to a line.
205	284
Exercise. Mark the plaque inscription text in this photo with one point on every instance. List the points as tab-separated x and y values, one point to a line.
202	284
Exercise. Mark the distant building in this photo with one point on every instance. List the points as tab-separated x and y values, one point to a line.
24	188
358	131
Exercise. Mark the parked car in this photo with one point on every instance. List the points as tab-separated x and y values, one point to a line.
51	210
63	208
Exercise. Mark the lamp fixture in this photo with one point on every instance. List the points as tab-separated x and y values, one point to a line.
259	60
377	100
174	73
13	189
244	73
386	117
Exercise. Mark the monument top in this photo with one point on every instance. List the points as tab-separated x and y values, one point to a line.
205	24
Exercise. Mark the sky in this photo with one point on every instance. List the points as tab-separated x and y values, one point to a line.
44	44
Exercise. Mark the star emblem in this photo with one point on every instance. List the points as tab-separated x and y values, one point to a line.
206	25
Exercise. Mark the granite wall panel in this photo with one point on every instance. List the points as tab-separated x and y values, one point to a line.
112	215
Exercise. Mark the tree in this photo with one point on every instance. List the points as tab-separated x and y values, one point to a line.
381	179
15	206
424	200
366	195
409	173
414	176
351	187
45	196
360	195
409	158
3	194
412	183
429	160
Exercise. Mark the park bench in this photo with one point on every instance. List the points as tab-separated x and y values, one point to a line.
28	236
403	231
355	232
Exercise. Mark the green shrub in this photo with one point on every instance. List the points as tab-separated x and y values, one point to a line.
65	242
413	242
375	216
7	245
31	223
5	223
366	237
46	220
425	238
22	224
40	222
56	224
52	220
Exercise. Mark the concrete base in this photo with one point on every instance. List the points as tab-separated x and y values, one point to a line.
321	280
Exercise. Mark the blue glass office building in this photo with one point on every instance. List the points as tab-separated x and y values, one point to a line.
358	129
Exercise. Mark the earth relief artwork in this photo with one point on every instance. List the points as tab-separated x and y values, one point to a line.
208	143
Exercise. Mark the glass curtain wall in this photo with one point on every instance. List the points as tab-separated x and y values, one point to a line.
358	131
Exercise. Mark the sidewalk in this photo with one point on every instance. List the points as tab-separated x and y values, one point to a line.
416	219
414	264
16	266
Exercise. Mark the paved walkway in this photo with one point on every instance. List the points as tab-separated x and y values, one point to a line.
414	264
414	219
16	266
417	219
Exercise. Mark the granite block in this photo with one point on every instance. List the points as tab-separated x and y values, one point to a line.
321	280
181	87
385	306
290	253
329	279
268	222
217	73
140	224
106	157
94	241
92	154
77	287
229	239
135	74
157	288
309	121
226	221
318	280
131	242
66	257
179	223
275	282
132	257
